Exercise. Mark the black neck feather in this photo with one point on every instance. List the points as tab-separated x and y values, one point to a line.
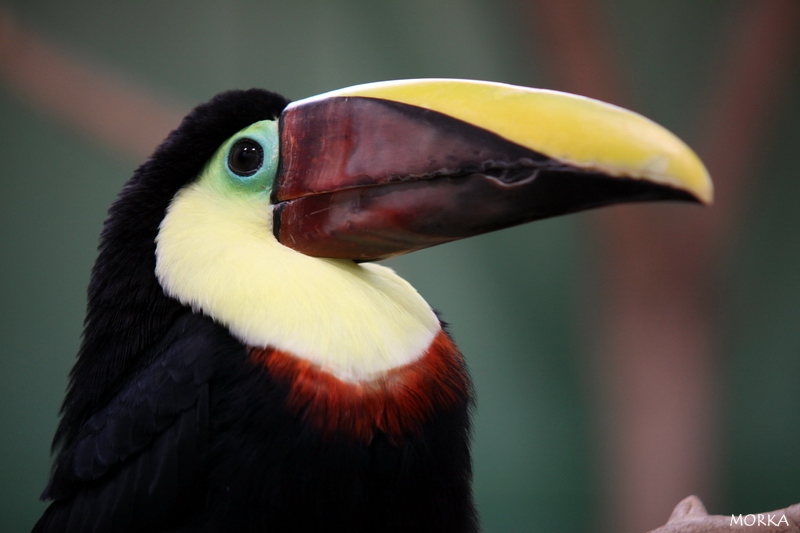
127	310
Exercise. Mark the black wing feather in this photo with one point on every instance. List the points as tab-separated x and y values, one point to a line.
128	312
137	404
146	449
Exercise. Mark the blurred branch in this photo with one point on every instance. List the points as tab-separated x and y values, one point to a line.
656	356
582	58
113	112
657	289
765	41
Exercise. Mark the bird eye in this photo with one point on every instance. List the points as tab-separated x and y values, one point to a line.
245	157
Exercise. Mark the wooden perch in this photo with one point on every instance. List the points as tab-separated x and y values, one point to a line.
690	516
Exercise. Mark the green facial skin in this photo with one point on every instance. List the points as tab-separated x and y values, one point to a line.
220	176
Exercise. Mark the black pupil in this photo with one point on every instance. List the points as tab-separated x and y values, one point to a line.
245	157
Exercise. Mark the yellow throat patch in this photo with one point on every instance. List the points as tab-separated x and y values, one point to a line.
217	254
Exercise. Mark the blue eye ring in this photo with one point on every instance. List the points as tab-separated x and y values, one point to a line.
245	157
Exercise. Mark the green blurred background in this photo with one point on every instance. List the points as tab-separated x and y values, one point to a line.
523	303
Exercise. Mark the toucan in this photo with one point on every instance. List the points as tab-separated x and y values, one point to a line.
247	366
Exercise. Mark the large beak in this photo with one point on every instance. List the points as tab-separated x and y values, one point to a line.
383	169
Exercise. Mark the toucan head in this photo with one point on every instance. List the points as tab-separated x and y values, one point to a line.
253	202
382	169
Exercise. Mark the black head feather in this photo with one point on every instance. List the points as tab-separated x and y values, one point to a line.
127	310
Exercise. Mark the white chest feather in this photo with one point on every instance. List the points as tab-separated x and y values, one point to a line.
217	254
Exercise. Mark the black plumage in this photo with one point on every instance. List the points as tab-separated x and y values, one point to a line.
127	311
168	425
